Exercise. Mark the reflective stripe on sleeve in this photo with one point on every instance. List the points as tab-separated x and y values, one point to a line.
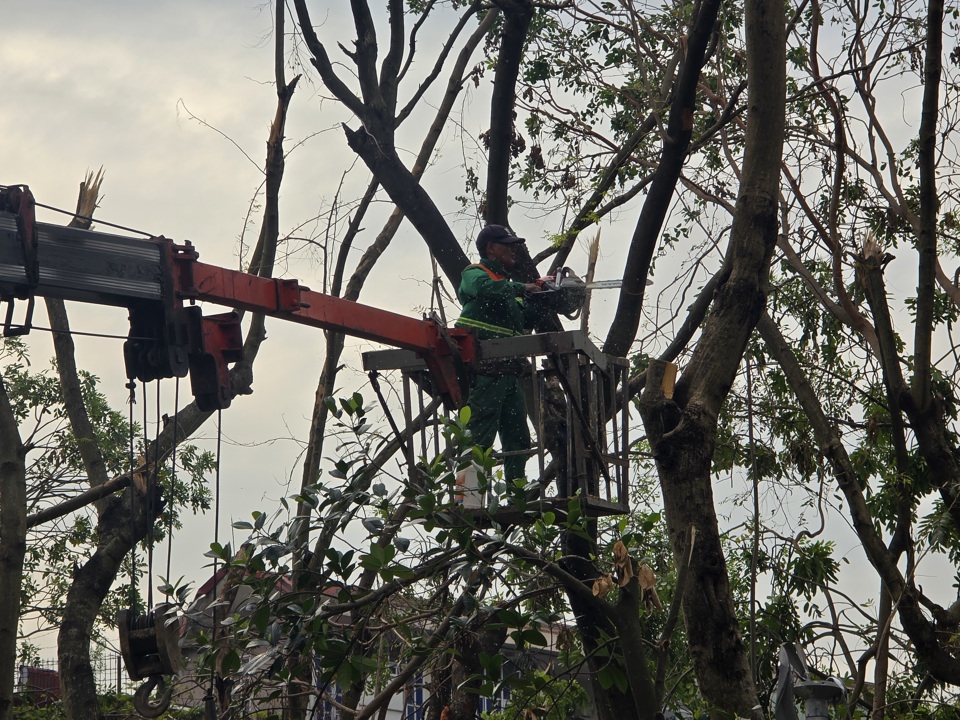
480	325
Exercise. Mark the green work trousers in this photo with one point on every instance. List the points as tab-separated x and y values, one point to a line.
497	405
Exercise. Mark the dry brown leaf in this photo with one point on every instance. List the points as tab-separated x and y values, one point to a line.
623	563
648	586
646	577
140	475
651	600
602	586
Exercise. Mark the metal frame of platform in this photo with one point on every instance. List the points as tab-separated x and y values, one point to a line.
592	463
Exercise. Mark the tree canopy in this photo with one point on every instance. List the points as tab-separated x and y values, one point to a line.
785	178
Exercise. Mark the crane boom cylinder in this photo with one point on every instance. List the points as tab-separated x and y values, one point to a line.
83	265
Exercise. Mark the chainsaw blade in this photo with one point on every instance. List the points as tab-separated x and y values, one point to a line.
597	285
603	284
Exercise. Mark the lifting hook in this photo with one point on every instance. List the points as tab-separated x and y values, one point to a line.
141	698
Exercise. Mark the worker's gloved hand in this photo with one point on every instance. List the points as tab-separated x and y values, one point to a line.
530	288
542	282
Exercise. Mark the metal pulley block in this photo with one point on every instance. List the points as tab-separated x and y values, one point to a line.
150	646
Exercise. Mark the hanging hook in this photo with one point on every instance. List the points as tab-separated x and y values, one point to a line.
141	698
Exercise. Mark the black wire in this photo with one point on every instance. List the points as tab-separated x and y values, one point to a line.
216	488
216	541
132	387
149	500
173	482
72	213
90	334
154	489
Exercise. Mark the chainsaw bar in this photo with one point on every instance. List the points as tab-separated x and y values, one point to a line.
603	284
596	285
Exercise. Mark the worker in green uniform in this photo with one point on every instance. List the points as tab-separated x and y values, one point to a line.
497	307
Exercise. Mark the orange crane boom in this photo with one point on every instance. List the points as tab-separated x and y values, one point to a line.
159	282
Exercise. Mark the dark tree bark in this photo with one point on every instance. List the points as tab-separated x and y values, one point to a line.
682	430
466	667
374	145
13	546
676	143
929	205
354	286
117	533
598	622
517	15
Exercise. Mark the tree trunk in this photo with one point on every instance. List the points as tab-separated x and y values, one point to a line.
80	613
466	666
92	582
120	527
619	633
13	546
683	445
682	430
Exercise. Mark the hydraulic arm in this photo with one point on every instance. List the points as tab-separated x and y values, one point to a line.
159	282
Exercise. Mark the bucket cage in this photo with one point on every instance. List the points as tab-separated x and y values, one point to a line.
577	401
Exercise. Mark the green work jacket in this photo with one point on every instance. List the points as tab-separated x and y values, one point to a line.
494	305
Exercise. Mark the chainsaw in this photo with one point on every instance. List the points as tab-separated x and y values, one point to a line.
568	290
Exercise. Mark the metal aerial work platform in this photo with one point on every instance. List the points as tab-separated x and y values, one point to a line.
578	401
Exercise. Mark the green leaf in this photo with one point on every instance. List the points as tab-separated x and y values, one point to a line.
230	663
532	636
221	552
374	526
